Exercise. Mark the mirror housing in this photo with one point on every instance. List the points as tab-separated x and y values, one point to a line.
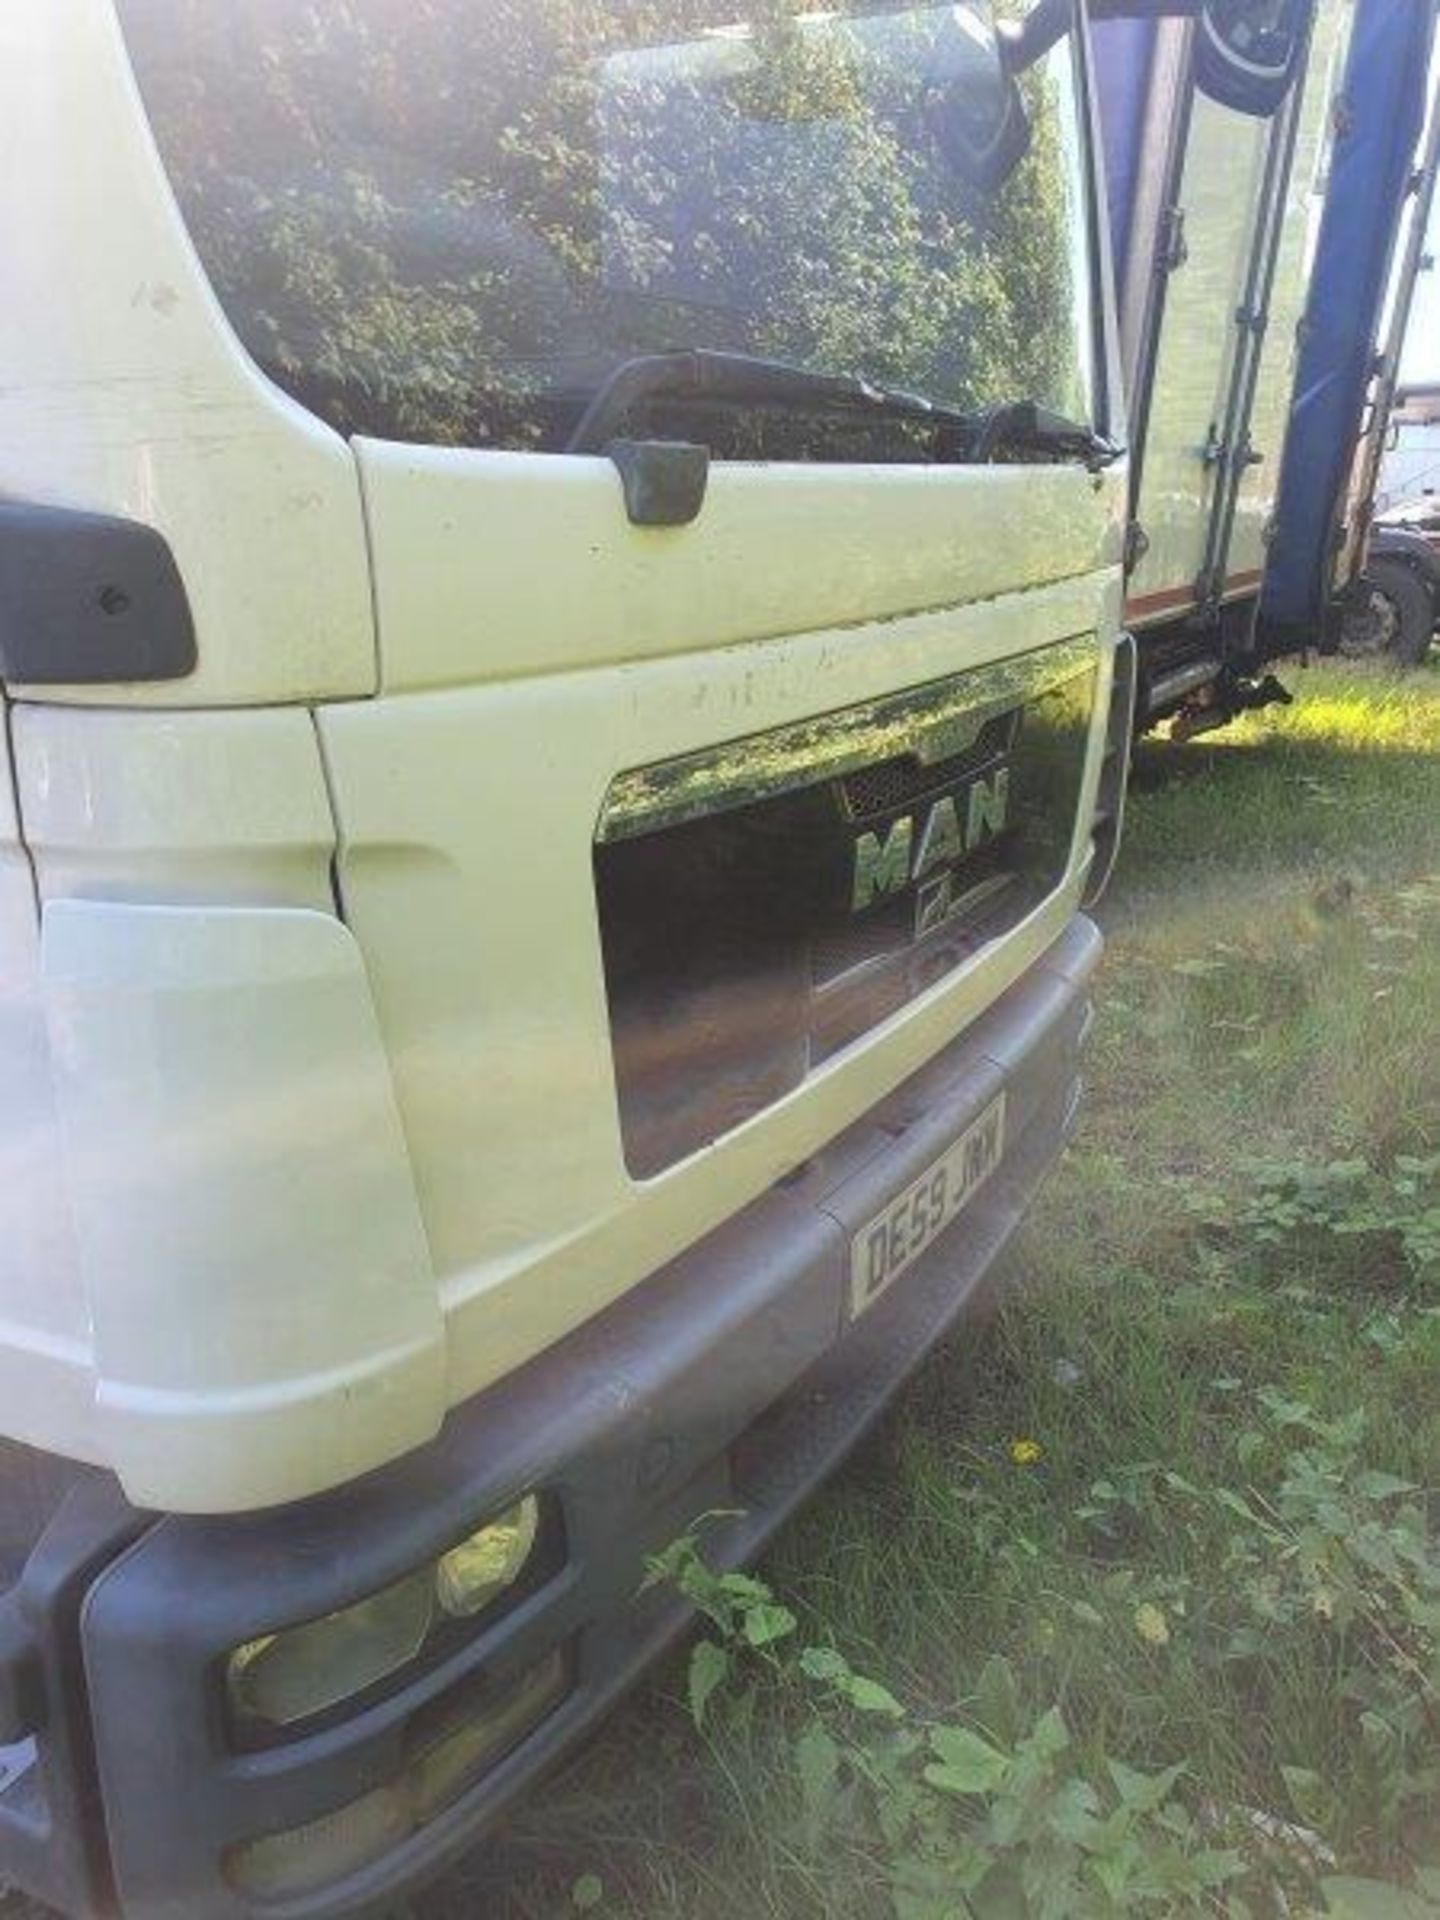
973	107
1247	52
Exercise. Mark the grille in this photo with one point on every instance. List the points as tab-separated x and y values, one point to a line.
904	781
741	949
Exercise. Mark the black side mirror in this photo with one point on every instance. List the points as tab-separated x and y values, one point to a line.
973	106
1247	52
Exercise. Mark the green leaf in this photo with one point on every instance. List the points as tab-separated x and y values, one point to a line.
709	1664
670	1562
768	1621
1309	1795
1143	1791
1382	1486
743	1587
824	1663
997	1697
1073	1815
1050	1735
1245	1643
1213	1866
968	1764
870	1697
587	1892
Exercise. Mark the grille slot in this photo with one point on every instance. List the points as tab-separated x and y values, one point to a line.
905	780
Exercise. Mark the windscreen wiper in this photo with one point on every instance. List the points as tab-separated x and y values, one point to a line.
745	379
1023	426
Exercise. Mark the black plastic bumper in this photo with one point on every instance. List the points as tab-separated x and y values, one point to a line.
729	1380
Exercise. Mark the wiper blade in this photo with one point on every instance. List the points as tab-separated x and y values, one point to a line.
748	379
1022	425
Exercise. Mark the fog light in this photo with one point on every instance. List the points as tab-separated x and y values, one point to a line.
280	1679
304	1858
287	1676
455	1743
472	1574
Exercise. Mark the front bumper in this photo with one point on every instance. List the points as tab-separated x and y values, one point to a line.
728	1381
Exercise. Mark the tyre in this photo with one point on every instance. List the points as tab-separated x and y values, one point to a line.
1388	615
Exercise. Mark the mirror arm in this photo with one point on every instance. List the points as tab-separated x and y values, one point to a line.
1021	43
1024	42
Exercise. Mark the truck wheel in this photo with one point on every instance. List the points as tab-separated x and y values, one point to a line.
1388	615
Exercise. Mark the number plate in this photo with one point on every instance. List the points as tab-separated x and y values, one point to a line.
914	1219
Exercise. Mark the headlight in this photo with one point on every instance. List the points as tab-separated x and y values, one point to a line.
282	1678
448	1746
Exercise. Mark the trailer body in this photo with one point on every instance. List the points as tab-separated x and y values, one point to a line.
1321	587
1254	251
1211	194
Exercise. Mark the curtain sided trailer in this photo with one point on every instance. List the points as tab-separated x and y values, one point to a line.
1336	576
1222	197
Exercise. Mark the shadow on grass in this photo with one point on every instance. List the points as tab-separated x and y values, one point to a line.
1303	800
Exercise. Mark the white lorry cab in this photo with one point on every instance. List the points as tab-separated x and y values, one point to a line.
560	578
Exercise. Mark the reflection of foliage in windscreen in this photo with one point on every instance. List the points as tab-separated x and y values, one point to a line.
449	219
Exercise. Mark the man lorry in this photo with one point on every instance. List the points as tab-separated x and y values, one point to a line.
560	586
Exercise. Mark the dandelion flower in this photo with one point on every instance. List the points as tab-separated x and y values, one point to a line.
1025	1452
1151	1624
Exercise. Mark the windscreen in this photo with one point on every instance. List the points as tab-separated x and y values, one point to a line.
453	220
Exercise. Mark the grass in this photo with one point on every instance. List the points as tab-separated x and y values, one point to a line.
1271	996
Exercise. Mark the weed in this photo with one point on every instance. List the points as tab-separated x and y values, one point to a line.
1308	1559
1394	1211
1001	1813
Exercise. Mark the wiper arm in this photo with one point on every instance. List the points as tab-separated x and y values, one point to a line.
1024	424
748	379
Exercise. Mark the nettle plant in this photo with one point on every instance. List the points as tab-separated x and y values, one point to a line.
1339	1559
1315	1563
1312	1562
1397	1206
994	1816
